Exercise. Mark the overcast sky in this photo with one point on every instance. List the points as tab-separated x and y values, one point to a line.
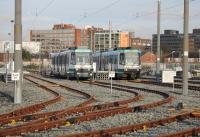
135	15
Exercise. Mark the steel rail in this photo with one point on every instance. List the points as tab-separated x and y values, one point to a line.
194	132
167	97
131	128
26	113
32	108
75	110
56	121
176	80
191	87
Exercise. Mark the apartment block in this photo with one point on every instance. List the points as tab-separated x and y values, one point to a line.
118	39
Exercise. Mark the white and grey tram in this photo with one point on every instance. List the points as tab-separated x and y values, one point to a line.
124	61
72	63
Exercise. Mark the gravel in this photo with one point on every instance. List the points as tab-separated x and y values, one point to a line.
166	129
31	94
69	99
103	95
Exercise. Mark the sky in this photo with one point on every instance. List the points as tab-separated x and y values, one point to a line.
129	15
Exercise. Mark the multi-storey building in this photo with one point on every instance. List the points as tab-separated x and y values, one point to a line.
142	44
118	39
172	40
62	36
196	35
59	38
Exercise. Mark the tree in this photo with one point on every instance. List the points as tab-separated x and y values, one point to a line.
26	56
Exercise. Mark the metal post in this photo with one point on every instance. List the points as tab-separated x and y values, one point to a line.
5	59
173	60
185	48
199	54
18	51
94	48
11	39
158	43
91	39
111	86
110	36
40	59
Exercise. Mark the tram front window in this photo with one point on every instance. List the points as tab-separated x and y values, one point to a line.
83	58
132	58
121	59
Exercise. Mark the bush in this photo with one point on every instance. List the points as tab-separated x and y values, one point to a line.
26	56
32	67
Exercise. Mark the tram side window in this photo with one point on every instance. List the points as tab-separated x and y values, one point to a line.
121	59
60	60
115	59
63	59
139	54
57	60
73	58
52	61
66	60
106	59
110	59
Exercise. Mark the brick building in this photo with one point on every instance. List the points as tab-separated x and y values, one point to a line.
140	43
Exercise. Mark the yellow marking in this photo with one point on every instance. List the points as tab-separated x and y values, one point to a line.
67	123
13	122
171	109
145	128
196	114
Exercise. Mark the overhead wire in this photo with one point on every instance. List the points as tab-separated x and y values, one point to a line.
40	12
98	11
46	7
151	13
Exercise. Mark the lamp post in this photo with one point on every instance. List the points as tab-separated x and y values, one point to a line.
6	51
185	47
199	54
158	43
173	59
12	45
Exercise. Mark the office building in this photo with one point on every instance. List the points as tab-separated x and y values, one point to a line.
172	40
58	38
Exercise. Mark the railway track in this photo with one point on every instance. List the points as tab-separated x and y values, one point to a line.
197	81
26	114
150	124
86	113
58	116
33	108
176	85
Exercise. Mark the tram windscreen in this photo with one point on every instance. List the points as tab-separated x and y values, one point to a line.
83	58
131	58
